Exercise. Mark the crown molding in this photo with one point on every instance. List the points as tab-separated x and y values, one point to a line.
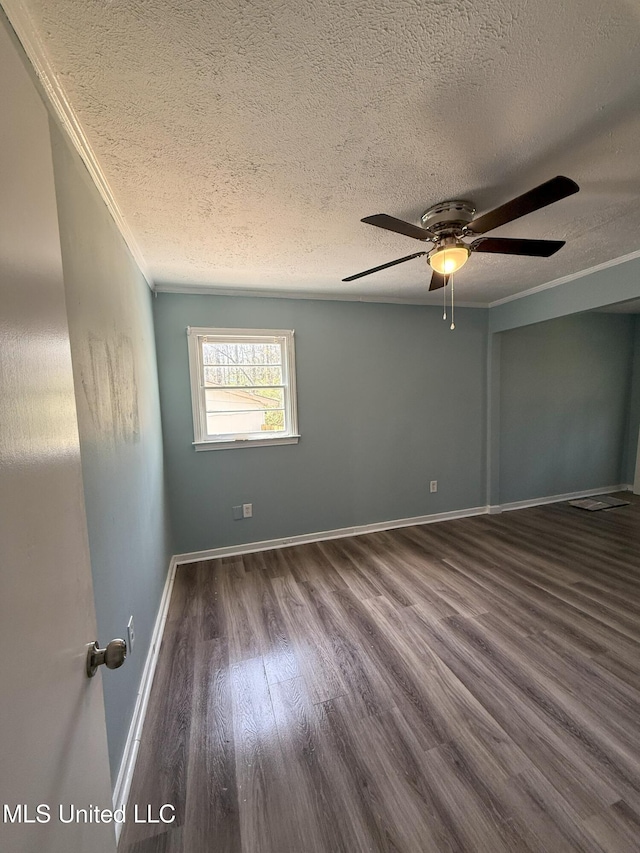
32	44
209	290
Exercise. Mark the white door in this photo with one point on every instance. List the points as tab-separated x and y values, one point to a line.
53	748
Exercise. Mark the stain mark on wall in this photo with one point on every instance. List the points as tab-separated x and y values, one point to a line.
111	389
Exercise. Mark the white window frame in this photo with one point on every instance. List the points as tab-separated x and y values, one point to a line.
201	441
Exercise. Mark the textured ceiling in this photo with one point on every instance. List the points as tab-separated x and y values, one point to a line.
244	139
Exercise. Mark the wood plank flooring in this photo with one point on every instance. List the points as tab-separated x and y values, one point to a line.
466	686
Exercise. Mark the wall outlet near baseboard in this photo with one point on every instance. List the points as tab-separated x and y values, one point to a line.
247	510
433	486
131	635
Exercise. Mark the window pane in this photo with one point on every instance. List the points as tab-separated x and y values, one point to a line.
222	400
240	353
227	375
246	384
273	421
235	423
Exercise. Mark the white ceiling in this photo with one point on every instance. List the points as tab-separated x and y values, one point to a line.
243	140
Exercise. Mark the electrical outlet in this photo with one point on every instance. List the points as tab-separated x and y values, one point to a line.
247	510
433	486
131	635
237	513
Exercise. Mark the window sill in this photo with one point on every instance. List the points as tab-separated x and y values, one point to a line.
244	442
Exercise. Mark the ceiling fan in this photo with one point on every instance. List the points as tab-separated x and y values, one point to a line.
447	224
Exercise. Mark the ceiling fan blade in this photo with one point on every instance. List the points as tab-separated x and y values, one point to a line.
390	223
384	266
507	246
438	280
547	193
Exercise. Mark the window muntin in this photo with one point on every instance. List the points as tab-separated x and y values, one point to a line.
243	386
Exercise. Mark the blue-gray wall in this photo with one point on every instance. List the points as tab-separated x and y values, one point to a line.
564	405
115	374
631	442
388	400
618	282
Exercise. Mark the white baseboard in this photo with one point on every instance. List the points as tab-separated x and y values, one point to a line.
132	744
552	499
358	530
339	533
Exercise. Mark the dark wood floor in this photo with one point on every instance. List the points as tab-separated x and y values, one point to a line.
466	686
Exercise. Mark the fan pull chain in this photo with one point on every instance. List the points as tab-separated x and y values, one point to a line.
453	325
444	291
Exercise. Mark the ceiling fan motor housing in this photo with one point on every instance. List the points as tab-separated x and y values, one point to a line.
448	216
448	223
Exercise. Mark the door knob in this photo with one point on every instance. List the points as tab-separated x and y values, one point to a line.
112	657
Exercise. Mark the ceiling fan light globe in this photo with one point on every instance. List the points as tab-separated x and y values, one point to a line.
449	259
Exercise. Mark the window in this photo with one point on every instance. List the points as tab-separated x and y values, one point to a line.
243	387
